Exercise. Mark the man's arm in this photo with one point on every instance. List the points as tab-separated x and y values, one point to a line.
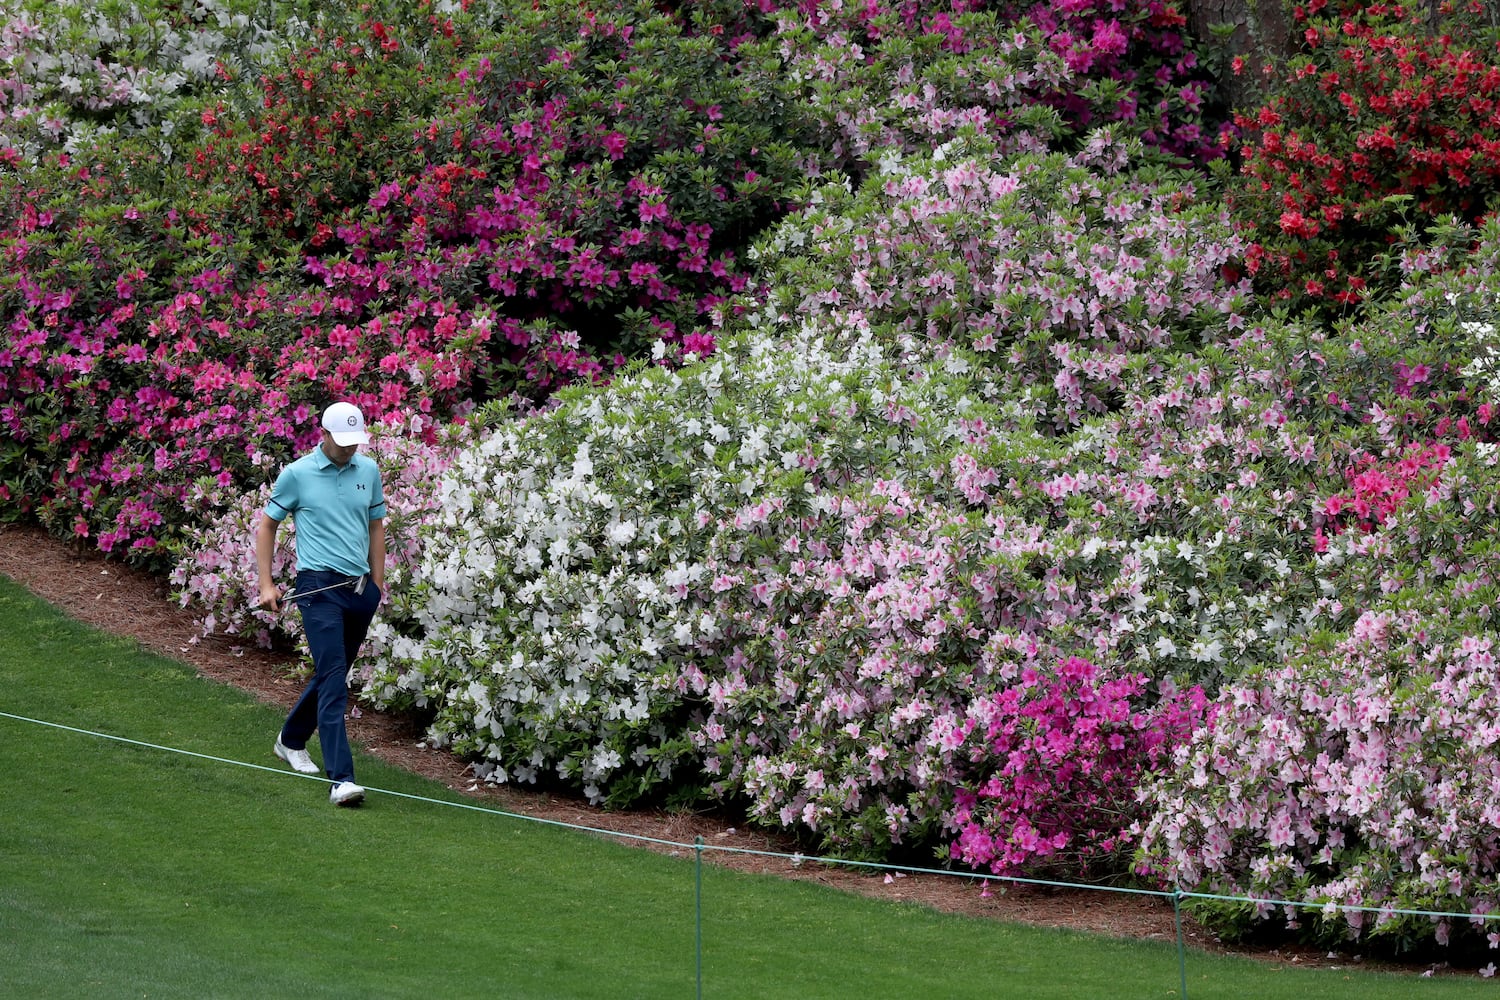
265	546
377	552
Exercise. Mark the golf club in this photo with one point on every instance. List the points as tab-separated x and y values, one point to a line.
358	583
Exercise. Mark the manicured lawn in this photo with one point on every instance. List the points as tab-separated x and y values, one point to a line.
127	871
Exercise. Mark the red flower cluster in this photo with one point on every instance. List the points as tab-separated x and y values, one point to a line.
1379	115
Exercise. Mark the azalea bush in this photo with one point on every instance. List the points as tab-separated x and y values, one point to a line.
841	560
146	348
1069	751
888	75
156	334
1357	770
1133	63
1360	773
842	630
76	73
870	628
593	184
879	82
1380	122
320	130
566	600
1059	269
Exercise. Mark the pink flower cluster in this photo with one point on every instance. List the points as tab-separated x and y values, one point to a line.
1156	87
1060	757
1361	774
1378	489
130	386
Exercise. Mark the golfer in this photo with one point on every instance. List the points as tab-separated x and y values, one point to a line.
335	497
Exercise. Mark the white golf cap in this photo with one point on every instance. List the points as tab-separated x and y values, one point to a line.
346	424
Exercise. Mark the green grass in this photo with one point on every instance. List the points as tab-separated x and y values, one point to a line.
127	871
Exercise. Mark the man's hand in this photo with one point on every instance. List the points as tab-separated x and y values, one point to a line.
270	597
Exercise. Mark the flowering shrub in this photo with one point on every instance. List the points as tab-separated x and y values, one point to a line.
155	335
593	184
1381	121
908	76
879	84
1068	752
871	625
75	71
844	629
134	364
837	560
329	123
1059	269
1377	490
1131	62
1359	769
565	601
1361	773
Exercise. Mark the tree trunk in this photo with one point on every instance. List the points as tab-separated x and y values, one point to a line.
1262	35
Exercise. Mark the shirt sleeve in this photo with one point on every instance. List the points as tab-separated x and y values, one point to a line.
283	500
377	502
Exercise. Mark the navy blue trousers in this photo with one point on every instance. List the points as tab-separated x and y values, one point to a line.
336	622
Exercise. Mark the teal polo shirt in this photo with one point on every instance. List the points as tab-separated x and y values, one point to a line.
332	508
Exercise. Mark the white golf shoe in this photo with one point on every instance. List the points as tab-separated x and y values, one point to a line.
299	759
346	793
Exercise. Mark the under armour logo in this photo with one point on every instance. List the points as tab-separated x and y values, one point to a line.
361	486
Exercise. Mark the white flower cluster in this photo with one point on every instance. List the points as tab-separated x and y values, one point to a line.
1486	365
80	60
564	588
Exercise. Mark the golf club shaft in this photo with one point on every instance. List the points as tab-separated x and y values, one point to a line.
309	593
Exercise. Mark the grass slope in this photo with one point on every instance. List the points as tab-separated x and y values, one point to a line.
127	871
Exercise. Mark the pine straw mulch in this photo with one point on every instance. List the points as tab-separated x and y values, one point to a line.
126	602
